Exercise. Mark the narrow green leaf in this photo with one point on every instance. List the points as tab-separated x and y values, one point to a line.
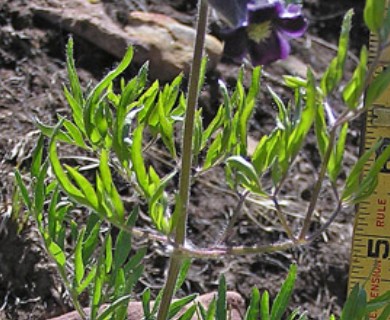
85	186
87	280
353	179
91	242
353	91
202	313
335	161
385	30
299	133
355	305
60	174
146	303
214	152
37	157
77	111
94	96
378	302
166	127
264	307
73	78
110	191
369	182
185	266
104	169
283	297
72	74
118	282
266	152
294	314
56	252
178	305
75	133
135	260
159	196
294	82
123	245
374	14
321	131
108	254
247	109
253	311
39	189
97	290
23	190
198	136
78	259
221	307
211	311
56	216
188	314
215	123
202	74
102	117
138	161
49	131
385	313
132	278
108	312
378	86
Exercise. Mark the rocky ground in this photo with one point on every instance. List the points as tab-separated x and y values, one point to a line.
33	35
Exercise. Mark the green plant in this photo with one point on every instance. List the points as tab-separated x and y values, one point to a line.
115	126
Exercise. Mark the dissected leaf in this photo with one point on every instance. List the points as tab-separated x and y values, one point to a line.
245	172
334	72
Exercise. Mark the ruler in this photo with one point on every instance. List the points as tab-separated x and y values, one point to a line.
370	258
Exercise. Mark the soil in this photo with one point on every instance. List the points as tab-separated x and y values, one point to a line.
32	72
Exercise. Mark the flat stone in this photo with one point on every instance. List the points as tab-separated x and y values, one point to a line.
163	41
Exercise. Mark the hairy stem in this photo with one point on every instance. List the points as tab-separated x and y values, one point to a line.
181	210
193	90
223	251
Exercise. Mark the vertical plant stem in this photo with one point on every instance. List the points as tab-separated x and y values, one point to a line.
181	210
318	185
193	90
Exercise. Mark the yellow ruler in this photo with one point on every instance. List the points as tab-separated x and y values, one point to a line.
370	259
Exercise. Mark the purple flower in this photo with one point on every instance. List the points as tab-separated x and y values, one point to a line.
262	29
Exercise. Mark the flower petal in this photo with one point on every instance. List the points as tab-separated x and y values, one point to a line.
291	20
233	11
260	12
236	44
274	48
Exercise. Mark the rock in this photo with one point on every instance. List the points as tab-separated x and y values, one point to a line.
293	66
162	40
235	302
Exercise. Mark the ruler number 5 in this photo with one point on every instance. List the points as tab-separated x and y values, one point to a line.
375	247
